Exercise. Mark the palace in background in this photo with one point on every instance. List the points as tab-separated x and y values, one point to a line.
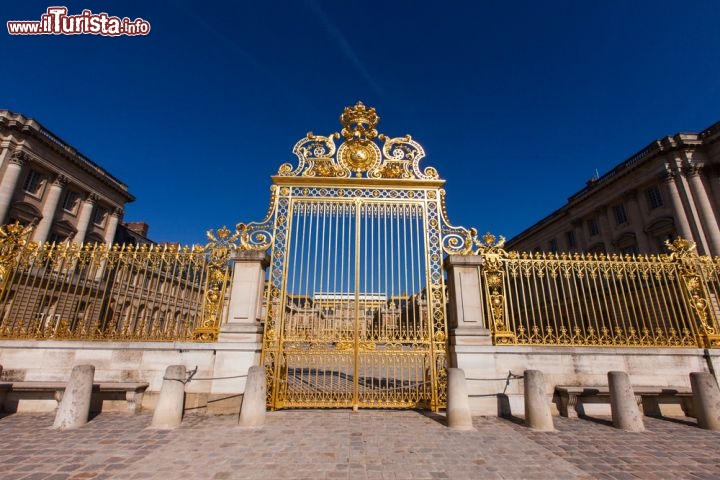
45	181
669	188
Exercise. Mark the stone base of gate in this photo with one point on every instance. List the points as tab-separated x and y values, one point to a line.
217	385
487	369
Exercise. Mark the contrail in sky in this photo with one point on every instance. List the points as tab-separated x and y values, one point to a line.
344	45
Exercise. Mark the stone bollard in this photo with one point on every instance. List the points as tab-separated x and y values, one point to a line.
706	398
458	404
74	408
171	403
537	408
625	412
252	411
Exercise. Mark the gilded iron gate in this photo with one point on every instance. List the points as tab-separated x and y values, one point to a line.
355	298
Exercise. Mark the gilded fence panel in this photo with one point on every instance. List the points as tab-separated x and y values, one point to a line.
149	292
668	300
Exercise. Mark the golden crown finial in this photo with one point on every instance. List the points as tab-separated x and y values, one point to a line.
359	122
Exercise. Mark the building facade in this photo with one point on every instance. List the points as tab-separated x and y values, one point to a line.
45	181
669	188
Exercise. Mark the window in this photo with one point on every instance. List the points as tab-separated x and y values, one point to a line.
99	215
620	215
553	245
654	198
70	202
630	250
33	182
593	227
571	240
56	237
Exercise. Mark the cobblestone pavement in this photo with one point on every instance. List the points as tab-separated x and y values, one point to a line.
341	444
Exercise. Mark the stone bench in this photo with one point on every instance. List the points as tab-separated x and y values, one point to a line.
570	399
131	392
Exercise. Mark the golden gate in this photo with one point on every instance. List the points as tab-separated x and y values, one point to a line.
355	300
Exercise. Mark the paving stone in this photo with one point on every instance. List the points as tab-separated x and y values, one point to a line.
337	444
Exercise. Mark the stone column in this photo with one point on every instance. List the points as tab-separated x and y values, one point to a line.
636	220
702	202
465	308
84	216
696	224
681	219
52	199
9	183
111	227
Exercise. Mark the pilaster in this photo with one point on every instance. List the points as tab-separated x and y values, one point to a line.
636	220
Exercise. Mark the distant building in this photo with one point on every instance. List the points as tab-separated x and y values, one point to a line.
45	181
669	188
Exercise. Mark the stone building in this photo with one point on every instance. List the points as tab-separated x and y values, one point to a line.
669	188
45	181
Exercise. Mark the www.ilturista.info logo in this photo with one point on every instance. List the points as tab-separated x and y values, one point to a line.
57	22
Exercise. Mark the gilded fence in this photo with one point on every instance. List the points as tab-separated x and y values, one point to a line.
668	300
155	292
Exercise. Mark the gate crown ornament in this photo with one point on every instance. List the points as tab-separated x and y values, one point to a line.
358	155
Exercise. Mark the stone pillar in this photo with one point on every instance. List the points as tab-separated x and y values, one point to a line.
702	202
241	334
9	183
636	220
680	217
111	227
624	406
248	283
52	199
74	408
465	307
537	407
171	402
84	217
706	397
458	404
252	413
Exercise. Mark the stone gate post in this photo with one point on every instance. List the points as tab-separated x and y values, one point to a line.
240	340
467	324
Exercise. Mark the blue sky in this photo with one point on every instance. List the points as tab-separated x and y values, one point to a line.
516	103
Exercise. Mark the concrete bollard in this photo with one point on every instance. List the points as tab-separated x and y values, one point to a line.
458	404
252	411
624	407
706	398
537	408
74	409
171	403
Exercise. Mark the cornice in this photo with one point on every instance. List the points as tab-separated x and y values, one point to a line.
28	126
